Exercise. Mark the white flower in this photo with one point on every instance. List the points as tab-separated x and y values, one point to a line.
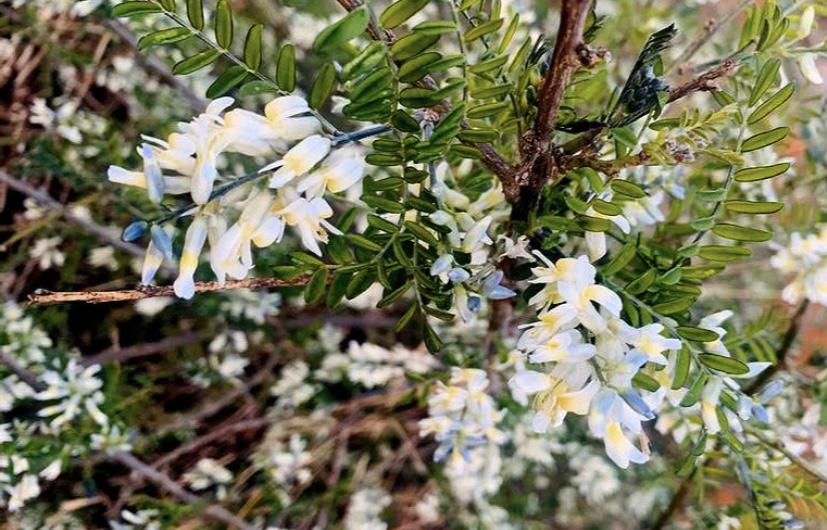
596	241
556	394
365	509
341	171
309	218
208	473
257	225
27	489
103	257
184	285
805	23
807	65
75	388
300	159
607	419
46	253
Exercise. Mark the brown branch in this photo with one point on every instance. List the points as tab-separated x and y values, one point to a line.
102	297
709	32
704	82
56	207
156	67
20	371
219	513
565	59
141	350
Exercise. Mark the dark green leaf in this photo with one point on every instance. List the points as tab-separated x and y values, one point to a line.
196	62
224	24
229	79
400	11
315	288
135	8
349	27
252	47
323	86
724	364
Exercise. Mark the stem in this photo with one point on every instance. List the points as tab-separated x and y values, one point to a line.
164	482
43	297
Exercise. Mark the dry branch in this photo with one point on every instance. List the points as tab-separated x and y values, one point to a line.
219	513
42	297
102	233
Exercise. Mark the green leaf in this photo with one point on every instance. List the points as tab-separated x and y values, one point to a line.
724	364
646	382
383	204
679	305
764	139
643	282
363	242
195	14
323	86
594	224
628	188
435	27
487	110
252	47
135	8
417	67
695	390
622	259
337	288
315	288
411	45
421	233
483	29
257	87
229	79
393	296
723	253
400	11
751	174
697	334
741	233
753	207
345	29
681	368
224	24
766	77
772	103
406	318
286	68
432	340
164	36
360	283
196	62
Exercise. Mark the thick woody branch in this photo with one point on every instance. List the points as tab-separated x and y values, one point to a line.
569	51
43	297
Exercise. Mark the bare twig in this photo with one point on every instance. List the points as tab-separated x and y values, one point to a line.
42	297
705	81
794	458
219	513
21	372
156	67
141	350
54	206
709	32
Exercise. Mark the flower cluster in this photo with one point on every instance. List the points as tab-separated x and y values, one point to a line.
584	358
373	366
189	162
461	415
806	258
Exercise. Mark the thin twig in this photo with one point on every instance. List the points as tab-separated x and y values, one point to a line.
42	297
21	372
141	350
156	67
710	31
54	206
794	458
215	511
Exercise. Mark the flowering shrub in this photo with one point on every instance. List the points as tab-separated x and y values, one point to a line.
412	264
